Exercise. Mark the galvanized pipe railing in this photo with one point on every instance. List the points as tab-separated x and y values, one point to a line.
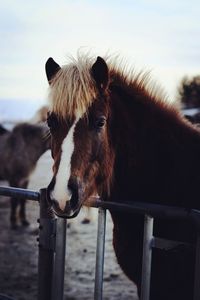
197	270
100	248
47	232
146	257
46	249
19	193
52	243
154	210
59	261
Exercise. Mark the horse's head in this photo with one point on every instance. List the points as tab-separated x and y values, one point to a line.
79	124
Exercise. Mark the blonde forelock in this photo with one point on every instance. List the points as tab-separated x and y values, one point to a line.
72	89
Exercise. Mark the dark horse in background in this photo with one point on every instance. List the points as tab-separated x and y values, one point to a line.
3	130
20	150
113	136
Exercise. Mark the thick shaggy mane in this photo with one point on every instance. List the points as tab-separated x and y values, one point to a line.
73	89
125	75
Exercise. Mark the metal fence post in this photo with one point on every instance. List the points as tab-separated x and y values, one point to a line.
197	270
59	262
46	249
98	288
146	259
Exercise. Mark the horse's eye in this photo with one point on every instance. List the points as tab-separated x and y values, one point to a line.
52	121
100	122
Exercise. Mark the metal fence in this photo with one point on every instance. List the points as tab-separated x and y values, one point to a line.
52	242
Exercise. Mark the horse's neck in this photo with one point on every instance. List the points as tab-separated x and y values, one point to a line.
157	155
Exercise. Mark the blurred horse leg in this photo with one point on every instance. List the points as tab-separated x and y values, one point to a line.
22	210
22	213
16	202
13	213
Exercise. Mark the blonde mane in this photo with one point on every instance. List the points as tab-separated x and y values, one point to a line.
73	90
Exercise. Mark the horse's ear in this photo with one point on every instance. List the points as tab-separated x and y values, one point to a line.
100	73
51	68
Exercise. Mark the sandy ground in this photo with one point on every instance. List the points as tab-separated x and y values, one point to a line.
19	252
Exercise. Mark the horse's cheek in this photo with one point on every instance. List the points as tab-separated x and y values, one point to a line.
91	172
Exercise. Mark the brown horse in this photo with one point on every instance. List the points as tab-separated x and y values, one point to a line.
20	150
115	137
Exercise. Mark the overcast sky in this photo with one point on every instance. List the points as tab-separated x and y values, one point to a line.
163	36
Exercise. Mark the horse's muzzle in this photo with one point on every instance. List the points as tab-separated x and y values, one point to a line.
73	206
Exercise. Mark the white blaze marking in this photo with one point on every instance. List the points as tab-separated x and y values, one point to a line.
61	193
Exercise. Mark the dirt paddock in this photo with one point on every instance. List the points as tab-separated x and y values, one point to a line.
19	252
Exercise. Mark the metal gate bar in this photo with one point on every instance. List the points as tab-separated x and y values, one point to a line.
48	232
19	193
146	258
98	286
197	270
150	241
59	261
52	243
154	210
46	249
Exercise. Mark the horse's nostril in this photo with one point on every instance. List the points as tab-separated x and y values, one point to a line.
74	200
73	187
